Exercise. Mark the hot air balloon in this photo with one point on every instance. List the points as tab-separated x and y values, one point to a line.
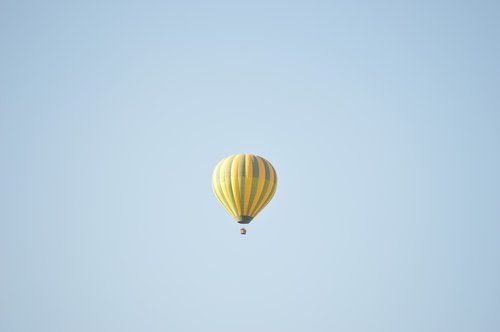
244	184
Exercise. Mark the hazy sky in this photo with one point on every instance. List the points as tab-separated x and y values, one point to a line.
382	119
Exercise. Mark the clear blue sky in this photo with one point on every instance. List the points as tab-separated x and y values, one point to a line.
382	119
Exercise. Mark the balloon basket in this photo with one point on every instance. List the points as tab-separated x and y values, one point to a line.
243	231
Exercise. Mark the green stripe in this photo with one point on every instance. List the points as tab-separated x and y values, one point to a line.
264	189
255	181
263	197
241	183
270	197
255	168
268	169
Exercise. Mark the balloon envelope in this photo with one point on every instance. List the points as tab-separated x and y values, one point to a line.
244	184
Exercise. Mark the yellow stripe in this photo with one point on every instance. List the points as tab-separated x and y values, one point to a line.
234	184
270	188
260	185
226	184
217	188
248	182
219	185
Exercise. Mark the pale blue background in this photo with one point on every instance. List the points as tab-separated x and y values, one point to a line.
382	119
